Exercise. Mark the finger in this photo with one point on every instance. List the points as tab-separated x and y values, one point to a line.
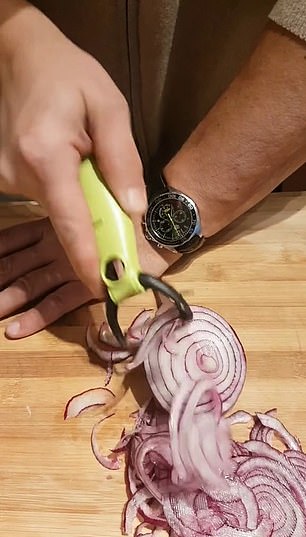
117	155
30	287
65	299
61	195
20	263
18	237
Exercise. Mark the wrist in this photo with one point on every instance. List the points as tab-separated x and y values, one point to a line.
181	174
153	260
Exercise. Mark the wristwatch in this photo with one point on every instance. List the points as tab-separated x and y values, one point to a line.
172	220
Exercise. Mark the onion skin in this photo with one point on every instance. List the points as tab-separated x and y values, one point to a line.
185	473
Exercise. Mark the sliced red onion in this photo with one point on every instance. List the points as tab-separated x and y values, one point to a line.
279	494
275	425
106	347
95	397
184	473
132	507
182	511
206	346
196	440
141	530
260	431
264	529
104	350
151	444
139	327
110	462
298	460
239	416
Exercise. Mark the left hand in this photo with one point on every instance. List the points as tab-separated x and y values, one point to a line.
35	268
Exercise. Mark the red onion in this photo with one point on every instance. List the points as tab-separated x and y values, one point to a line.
95	397
106	346
109	462
185	473
173	351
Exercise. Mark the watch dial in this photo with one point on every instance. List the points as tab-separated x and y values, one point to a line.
171	219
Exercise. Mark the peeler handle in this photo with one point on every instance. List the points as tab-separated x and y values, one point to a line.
114	233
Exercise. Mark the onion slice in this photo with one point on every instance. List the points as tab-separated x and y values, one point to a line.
275	425
110	462
95	397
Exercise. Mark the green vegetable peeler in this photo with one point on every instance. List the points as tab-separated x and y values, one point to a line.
116	244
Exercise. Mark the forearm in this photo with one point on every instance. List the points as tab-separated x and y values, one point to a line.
252	139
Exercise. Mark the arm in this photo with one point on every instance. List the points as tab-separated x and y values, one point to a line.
59	105
252	139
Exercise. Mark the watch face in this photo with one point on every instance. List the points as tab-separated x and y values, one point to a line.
171	219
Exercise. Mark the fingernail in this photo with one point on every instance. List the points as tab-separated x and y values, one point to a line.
135	200
13	329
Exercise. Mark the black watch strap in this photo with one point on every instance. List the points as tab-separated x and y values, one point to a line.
155	183
190	246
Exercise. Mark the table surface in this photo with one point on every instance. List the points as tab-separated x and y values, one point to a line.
254	274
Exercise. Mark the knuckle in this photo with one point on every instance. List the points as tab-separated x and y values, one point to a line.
121	105
7	268
36	146
35	255
27	145
25	284
31	149
56	304
116	105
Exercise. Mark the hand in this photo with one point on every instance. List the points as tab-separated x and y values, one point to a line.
34	268
59	105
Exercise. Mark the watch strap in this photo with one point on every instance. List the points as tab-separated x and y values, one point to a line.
155	183
192	245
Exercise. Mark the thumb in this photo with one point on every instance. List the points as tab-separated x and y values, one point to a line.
117	156
61	196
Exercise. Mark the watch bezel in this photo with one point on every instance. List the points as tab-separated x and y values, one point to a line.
195	219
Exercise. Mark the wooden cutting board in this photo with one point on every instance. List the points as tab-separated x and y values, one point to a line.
254	274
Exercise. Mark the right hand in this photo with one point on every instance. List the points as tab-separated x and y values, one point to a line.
59	105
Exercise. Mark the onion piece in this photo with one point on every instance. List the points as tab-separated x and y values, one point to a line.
105	351
132	507
264	529
110	462
196	440
240	416
95	397
274	424
260	431
141	530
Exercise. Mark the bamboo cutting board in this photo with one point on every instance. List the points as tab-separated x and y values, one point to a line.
254	274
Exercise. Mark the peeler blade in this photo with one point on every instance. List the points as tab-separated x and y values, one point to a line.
157	285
